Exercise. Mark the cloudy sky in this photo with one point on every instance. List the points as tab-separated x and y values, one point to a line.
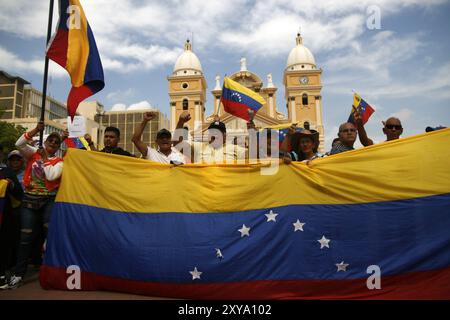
401	68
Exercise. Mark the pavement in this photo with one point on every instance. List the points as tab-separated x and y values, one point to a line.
31	290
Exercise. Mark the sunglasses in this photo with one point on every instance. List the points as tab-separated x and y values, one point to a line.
394	126
348	130
54	141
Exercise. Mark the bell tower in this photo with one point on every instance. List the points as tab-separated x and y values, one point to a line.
303	86
187	89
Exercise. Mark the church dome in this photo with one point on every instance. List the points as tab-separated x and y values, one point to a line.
187	63
300	58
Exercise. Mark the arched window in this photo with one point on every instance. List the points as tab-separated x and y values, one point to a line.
305	99
185	104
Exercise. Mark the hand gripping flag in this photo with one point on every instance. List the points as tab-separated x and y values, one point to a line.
239	100
360	105
73	47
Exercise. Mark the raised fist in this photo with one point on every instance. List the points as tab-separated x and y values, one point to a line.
149	116
185	116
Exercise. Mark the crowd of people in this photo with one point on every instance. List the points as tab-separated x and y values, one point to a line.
34	174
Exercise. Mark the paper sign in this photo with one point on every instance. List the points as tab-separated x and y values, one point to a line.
77	128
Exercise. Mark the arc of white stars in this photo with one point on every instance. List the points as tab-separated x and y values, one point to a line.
298	225
271	216
341	266
324	242
195	274
245	231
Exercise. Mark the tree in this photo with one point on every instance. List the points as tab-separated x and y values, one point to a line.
9	133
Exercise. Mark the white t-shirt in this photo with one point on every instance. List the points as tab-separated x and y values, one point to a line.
155	155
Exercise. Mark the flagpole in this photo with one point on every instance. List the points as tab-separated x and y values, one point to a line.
220	101
44	85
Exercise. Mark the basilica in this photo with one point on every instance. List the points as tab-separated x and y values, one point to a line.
301	80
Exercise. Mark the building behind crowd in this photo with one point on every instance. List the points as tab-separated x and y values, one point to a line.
187	89
21	104
127	120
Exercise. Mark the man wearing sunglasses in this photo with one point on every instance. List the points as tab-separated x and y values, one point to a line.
392	128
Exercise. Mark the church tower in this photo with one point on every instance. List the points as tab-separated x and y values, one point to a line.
187	89
303	89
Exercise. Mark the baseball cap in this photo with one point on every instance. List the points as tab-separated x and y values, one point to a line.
219	126
15	153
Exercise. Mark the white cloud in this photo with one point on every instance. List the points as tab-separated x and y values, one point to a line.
11	62
404	114
142	35
143	105
119	107
377	55
122	94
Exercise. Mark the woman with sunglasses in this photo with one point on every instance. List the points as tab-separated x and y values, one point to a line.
41	181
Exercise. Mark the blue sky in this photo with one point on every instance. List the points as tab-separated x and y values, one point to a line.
402	69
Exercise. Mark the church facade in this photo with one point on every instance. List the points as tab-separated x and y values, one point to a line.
301	80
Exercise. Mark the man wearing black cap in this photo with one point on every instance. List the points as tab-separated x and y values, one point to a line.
217	150
165	153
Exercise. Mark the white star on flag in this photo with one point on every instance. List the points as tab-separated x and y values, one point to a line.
219	254
195	274
298	225
245	231
324	242
271	216
341	266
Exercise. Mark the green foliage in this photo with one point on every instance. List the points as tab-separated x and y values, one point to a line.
9	133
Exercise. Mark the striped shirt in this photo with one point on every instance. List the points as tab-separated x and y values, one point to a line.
340	147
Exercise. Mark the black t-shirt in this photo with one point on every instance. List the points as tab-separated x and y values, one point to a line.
7	173
117	150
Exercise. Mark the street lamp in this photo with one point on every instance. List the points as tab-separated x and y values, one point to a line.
100	114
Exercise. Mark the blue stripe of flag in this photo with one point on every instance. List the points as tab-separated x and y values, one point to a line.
398	236
233	95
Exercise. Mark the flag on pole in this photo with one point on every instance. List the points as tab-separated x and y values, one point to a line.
360	105
73	47
239	100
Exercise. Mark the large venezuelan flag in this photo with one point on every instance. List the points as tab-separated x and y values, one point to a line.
3	187
73	47
228	232
238	100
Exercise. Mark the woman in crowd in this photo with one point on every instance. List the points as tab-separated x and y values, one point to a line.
300	146
41	181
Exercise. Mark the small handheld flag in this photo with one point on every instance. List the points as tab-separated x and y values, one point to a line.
73	47
238	100
77	143
283	130
361	106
